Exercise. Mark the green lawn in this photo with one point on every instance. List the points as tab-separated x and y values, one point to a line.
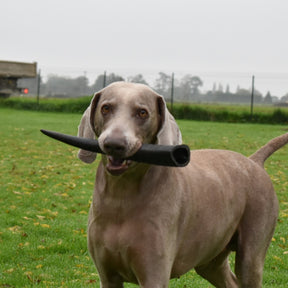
45	192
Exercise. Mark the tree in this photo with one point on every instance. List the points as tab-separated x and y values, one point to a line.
284	99
244	95
57	85
268	98
190	86
99	82
227	91
80	86
163	84
137	79
214	89
113	78
66	87
220	88
196	82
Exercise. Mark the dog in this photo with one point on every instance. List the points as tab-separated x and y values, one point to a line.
148	224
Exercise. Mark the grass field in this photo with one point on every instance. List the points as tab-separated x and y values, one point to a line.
45	192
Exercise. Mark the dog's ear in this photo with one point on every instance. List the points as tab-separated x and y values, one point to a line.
168	132
86	129
93	107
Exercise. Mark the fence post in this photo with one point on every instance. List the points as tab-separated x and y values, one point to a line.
172	93
38	86
104	80
252	98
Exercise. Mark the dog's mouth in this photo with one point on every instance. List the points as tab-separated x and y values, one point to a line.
117	166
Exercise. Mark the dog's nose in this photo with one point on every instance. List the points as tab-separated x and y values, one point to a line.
115	146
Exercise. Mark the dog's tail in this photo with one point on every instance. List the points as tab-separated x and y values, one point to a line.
267	150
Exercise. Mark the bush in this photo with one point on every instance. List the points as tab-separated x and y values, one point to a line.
75	105
199	112
229	114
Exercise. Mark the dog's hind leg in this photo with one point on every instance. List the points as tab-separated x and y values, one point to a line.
218	271
254	236
249	263
250	256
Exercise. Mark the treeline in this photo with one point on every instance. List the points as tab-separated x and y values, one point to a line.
186	89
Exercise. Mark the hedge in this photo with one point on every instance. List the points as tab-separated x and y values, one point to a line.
199	112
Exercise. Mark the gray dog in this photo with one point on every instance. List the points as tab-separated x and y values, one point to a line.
149	223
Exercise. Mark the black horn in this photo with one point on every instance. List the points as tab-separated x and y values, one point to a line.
163	155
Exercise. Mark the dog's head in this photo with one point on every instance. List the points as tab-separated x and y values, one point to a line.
123	116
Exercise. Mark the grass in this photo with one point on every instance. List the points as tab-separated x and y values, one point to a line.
46	192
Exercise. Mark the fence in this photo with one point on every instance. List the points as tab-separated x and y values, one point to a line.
214	86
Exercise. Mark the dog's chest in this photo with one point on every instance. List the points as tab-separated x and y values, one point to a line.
121	230
116	244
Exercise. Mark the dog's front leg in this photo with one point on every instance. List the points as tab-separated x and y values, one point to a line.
111	285
154	279
152	265
148	271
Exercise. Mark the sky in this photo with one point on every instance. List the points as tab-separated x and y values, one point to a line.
227	40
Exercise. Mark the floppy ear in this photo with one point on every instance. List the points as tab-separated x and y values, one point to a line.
169	132
85	130
93	107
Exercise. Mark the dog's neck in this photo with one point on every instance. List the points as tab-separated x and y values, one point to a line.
121	185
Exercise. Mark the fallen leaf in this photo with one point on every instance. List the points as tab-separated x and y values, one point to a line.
17	193
91	281
15	228
9	271
277	258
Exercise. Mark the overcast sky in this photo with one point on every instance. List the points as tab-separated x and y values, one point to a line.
184	36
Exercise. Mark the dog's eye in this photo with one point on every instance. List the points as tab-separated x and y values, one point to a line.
142	113
105	109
